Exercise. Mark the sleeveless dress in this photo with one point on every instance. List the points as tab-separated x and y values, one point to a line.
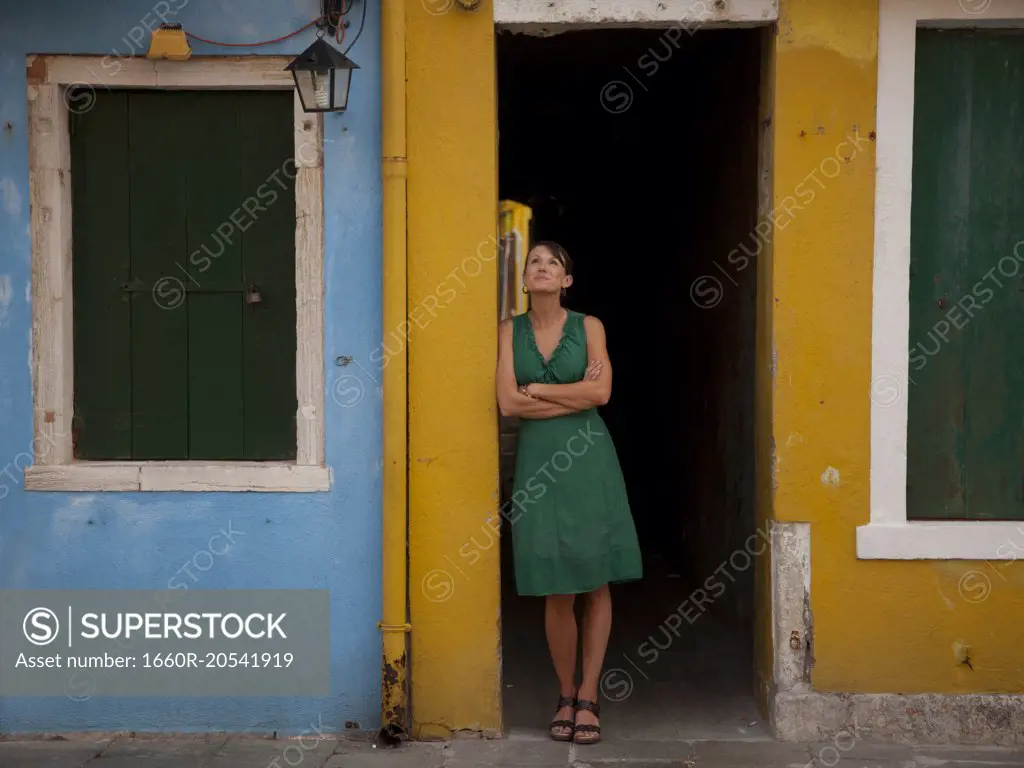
572	529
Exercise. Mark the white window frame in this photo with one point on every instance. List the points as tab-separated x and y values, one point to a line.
55	469
889	535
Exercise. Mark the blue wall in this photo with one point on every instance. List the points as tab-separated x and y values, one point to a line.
143	540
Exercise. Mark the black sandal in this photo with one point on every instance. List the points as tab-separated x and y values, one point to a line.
563	701
587	728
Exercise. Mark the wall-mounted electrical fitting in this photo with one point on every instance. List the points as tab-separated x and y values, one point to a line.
168	41
331	15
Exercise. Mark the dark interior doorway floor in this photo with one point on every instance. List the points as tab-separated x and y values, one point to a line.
664	678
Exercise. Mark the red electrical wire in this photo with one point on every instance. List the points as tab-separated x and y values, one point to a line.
265	42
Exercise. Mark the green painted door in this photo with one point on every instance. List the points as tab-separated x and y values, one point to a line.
184	276
965	452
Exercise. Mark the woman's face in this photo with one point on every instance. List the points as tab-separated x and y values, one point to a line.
545	273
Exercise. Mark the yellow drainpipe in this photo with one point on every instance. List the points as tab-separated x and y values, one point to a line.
394	626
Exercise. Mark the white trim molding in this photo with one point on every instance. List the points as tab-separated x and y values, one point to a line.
55	469
889	535
953	540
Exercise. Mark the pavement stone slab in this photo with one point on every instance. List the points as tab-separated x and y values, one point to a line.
408	755
917	763
957	756
637	752
949	756
159	752
50	754
752	754
484	753
826	753
308	751
618	750
528	752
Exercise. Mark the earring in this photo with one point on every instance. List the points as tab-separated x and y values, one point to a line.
525	289
563	292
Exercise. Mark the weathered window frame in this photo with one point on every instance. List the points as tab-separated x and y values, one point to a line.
49	78
890	535
539	16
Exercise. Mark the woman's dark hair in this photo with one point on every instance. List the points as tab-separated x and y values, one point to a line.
560	254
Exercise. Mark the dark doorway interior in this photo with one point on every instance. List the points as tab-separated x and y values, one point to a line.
638	150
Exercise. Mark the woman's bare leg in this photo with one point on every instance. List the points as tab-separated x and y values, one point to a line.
560	627
597	626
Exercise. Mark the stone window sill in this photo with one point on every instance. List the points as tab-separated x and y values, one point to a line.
178	476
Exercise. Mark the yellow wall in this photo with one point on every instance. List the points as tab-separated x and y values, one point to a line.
878	626
453	448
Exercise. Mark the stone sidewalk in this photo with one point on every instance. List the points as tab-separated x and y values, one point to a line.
530	752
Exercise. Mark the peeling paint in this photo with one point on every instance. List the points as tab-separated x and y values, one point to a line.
830	476
543	17
962	654
792	617
775	466
393	676
6	296
10	198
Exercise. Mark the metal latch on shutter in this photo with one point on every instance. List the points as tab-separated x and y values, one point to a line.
251	293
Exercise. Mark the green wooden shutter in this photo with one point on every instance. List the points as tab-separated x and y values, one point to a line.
173	223
266	139
100	244
158	148
965	452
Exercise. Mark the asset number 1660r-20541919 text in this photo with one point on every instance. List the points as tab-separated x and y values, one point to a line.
226	660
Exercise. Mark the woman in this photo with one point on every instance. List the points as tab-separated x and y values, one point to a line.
572	530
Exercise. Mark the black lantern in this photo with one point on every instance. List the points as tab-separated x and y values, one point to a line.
322	75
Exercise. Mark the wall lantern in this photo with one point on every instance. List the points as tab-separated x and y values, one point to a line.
322	75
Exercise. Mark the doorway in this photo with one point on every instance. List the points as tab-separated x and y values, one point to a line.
637	149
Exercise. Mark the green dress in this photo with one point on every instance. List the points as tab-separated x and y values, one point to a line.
572	529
